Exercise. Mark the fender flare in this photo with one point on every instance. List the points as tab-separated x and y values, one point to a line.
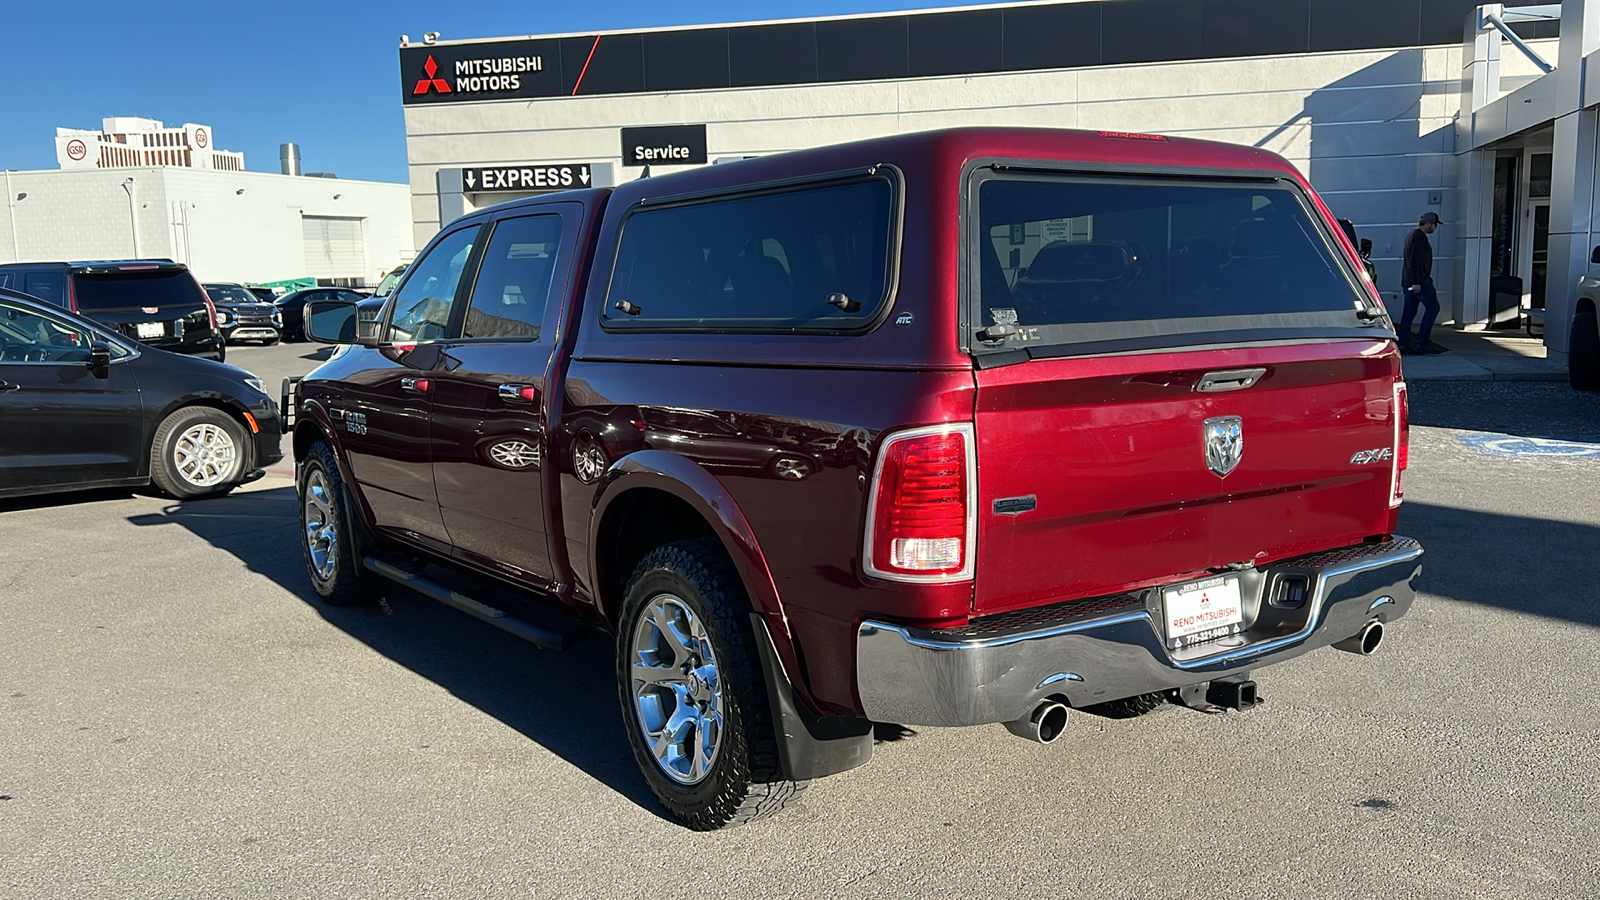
690	482
313	416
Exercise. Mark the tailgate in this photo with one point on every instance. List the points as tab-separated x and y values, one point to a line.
1113	453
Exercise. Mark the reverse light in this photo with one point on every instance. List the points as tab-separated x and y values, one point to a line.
921	518
1402	442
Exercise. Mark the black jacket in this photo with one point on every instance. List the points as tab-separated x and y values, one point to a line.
1416	259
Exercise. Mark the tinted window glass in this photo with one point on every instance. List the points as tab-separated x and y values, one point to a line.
126	290
765	262
422	306
514	280
1083	258
47	286
27	336
229	293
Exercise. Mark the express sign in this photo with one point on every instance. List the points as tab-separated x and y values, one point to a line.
541	177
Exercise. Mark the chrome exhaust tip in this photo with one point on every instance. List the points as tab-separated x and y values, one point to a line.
1364	642
1043	725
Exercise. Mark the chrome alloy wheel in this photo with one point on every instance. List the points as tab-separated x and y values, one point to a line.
322	532
588	458
790	468
205	455
677	693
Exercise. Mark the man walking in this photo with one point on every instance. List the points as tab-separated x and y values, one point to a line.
1416	280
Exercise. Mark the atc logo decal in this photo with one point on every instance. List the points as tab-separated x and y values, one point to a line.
437	84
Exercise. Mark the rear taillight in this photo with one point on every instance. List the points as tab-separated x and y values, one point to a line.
72	294
921	519
211	308
1402	443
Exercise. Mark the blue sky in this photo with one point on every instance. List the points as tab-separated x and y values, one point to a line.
323	74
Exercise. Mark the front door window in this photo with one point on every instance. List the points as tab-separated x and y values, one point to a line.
422	306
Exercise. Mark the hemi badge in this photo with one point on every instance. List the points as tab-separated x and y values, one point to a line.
1015	506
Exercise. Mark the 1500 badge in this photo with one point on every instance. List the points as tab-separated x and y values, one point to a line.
1379	454
355	423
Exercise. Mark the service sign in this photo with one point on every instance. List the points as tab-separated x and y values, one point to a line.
493	70
664	145
524	178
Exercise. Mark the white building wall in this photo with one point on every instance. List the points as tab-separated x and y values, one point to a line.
228	226
1373	130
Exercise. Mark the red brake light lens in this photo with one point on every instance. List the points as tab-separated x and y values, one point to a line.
1402	442
921	526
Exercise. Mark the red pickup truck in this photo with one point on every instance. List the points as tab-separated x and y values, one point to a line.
964	427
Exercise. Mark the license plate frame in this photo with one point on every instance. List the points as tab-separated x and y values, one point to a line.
145	330
1199	611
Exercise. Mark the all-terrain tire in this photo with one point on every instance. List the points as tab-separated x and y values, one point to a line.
744	780
1583	352
326	534
199	451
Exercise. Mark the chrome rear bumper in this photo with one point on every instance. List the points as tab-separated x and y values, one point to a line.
1096	651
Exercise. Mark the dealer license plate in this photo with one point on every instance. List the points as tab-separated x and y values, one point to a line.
152	330
1202	611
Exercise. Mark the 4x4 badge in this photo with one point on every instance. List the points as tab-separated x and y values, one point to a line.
1224	443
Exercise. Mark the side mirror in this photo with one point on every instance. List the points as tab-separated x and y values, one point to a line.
331	321
1349	229
100	359
1594	256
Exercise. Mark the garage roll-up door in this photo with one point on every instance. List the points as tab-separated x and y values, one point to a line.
334	248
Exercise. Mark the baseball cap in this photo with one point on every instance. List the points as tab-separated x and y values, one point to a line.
1428	217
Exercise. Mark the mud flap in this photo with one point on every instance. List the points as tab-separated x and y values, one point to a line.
809	746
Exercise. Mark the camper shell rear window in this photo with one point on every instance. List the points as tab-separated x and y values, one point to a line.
1066	264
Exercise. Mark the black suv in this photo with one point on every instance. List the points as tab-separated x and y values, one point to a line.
156	302
243	316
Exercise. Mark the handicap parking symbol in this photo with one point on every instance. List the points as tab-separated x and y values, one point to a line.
1514	445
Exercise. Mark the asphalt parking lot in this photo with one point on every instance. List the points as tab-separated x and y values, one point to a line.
179	717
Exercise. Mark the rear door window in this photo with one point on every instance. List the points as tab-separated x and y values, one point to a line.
1143	262
769	262
51	287
513	284
134	290
422	306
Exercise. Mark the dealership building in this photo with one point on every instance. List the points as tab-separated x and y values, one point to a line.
1392	108
139	189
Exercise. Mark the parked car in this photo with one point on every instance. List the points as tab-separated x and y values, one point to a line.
154	301
1583	342
291	307
243	317
583	400
264	294
389	280
82	406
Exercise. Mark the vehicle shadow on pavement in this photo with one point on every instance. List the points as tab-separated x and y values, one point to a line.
1525	409
566	701
1513	562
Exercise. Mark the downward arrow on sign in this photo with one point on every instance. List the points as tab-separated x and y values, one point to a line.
472	180
583	175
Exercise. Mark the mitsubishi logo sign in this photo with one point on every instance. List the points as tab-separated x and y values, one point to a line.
431	68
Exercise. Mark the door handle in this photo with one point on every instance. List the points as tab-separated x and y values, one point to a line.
519	393
8	386
415	385
1230	380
